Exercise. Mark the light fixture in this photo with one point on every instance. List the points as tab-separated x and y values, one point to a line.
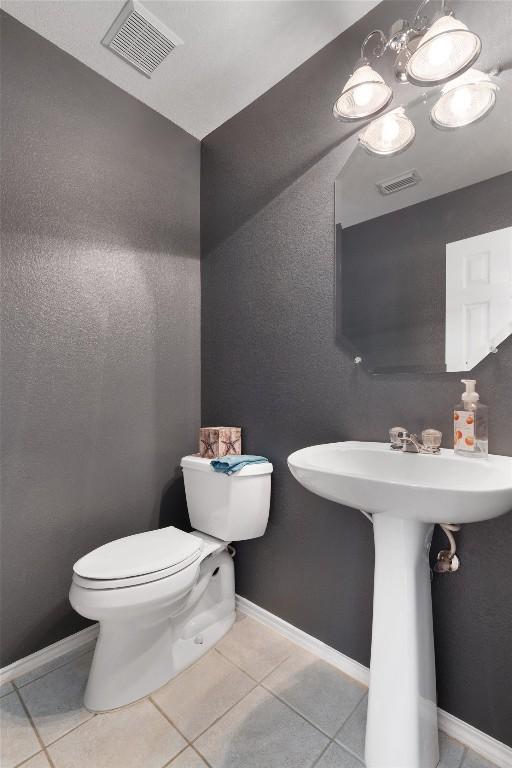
446	50
426	52
464	100
389	134
364	94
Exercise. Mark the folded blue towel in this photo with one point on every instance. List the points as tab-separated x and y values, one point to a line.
230	464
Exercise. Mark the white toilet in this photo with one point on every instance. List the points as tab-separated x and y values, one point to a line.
164	597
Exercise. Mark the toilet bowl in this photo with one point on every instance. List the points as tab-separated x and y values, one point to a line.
163	598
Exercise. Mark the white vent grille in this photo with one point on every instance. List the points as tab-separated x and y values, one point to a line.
140	38
397	183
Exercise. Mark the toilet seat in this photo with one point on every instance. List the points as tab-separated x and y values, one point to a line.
138	559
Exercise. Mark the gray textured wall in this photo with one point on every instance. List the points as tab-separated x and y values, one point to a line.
271	364
393	293
101	329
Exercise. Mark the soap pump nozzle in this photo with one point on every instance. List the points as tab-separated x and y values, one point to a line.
470	396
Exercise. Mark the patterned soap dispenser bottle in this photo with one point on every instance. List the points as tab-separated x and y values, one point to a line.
470	424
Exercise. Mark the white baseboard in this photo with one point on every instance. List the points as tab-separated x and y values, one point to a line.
347	665
495	751
51	652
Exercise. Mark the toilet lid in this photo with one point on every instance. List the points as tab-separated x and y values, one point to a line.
139	554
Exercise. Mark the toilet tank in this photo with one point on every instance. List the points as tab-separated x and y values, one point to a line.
229	507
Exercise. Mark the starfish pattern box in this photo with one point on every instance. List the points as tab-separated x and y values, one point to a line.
216	442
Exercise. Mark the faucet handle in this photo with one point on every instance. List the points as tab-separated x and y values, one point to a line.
397	435
431	438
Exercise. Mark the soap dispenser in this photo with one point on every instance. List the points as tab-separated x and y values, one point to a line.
470	420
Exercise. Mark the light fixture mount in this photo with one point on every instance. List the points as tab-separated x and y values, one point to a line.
421	41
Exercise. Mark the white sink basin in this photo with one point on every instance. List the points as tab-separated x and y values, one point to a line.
431	488
405	494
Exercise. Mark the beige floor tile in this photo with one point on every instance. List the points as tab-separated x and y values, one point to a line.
39	761
6	688
336	757
55	701
316	689
472	760
138	736
353	733
261	732
19	740
188	759
450	752
203	693
53	664
254	647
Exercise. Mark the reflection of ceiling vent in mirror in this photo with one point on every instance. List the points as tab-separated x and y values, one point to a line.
406	179
140	38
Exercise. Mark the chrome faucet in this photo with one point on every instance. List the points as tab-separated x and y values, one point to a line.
408	442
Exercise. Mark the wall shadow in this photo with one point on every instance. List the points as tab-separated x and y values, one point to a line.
173	506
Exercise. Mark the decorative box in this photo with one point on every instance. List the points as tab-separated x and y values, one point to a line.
215	442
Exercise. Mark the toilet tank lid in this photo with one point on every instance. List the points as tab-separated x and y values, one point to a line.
139	554
204	465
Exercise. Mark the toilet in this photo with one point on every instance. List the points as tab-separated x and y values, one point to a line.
163	598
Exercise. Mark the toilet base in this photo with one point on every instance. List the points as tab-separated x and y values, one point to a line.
134	658
188	652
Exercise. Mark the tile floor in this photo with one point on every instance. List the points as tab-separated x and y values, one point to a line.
256	701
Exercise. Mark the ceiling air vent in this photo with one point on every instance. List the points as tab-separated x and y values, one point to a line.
140	38
407	179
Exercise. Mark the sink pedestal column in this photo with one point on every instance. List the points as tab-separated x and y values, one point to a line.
402	712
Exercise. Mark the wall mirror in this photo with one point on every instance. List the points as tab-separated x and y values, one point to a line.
424	244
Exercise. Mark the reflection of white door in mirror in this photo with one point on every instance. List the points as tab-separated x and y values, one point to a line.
478	297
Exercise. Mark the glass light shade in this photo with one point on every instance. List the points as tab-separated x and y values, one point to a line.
464	100
446	49
364	94
389	134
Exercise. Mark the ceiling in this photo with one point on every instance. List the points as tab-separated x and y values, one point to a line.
234	50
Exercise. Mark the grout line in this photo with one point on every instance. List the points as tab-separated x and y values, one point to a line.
463	758
29	716
189	743
49	671
297	712
214	722
237	666
346	721
258	682
171	761
322	753
38	737
157	707
276	667
349	752
28	759
71	730
203	758
49	758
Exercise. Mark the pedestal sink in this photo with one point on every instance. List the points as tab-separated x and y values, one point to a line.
405	494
